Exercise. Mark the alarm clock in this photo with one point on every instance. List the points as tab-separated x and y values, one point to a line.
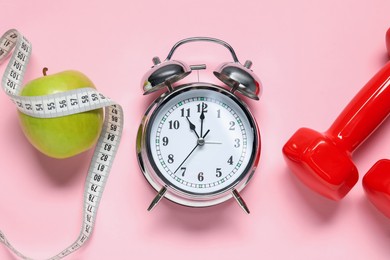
198	144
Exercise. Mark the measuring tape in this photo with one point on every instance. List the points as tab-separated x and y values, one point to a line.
62	104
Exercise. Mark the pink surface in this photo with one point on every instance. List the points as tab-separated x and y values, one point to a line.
311	57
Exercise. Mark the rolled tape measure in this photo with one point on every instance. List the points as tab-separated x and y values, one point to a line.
62	104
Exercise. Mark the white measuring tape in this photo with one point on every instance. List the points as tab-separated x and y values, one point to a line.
62	104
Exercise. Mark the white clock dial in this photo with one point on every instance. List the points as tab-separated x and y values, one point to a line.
201	141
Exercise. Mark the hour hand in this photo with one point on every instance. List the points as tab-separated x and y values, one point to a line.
192	127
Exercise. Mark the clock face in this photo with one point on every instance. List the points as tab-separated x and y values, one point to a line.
201	141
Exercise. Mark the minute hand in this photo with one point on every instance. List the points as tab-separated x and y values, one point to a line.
201	121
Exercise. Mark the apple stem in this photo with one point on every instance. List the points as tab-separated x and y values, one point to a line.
44	70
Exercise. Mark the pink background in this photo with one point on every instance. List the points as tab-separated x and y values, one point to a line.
312	57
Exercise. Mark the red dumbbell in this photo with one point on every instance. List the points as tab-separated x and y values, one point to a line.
323	161
376	182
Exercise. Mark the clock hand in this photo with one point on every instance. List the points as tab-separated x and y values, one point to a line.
212	142
200	142
201	120
193	149
192	127
207	132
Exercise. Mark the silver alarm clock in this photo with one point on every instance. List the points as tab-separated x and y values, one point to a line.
198	143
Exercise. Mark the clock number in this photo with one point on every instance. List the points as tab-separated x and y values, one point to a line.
219	113
219	173
232	124
230	161
185	112
201	107
200	176
165	141
174	124
237	142
170	159
184	171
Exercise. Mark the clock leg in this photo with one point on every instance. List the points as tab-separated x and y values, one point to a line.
240	201
157	199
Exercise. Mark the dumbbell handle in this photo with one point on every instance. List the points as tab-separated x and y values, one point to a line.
364	113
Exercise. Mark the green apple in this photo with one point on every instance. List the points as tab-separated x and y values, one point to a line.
66	136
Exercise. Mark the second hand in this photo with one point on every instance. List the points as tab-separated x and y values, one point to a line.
199	142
